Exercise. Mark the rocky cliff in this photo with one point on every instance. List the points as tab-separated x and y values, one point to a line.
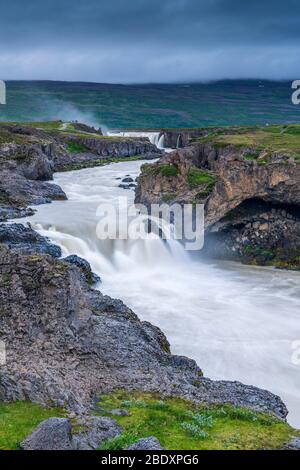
67	343
249	183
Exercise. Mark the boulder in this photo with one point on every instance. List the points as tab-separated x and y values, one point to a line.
23	239
52	434
150	443
127	180
88	433
84	267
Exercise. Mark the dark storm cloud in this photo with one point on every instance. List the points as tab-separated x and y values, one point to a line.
144	40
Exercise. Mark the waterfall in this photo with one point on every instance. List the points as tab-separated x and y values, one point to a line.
154	137
161	141
179	138
215	313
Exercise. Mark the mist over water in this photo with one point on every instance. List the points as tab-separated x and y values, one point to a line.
237	322
219	103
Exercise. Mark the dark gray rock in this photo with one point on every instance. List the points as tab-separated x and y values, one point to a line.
85	128
127	180
52	434
94	431
69	343
294	444
84	267
23	239
8	212
150	443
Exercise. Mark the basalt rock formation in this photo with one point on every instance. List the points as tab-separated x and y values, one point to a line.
66	343
249	184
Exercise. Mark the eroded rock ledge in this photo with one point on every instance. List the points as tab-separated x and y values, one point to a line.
66	343
248	181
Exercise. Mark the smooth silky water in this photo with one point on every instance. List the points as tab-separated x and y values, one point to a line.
237	322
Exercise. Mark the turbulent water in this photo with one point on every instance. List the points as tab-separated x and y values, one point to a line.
237	322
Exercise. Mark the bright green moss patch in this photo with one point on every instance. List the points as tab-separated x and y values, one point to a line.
182	425
198	177
19	419
169	171
167	197
76	147
282	139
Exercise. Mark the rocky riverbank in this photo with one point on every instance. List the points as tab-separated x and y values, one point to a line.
68	344
59	349
30	155
248	179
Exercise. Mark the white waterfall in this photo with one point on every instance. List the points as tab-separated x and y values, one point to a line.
237	322
156	138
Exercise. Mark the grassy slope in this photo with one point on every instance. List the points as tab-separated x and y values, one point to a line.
181	425
18	420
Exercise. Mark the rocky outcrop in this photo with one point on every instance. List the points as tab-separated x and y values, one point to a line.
226	180
66	343
180	138
85	268
29	156
52	434
94	431
21	239
86	433
96	150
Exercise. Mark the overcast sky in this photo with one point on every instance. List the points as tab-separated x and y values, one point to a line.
132	41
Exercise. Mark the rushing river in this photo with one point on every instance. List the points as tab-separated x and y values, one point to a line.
237	322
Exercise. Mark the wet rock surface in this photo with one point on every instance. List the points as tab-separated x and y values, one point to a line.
21	239
85	268
29	156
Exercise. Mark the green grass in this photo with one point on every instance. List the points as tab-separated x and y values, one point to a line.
76	147
169	171
168	197
19	419
45	125
198	177
182	425
284	139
